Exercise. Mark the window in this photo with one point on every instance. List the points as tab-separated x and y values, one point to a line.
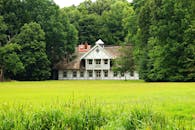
90	62
106	62
81	74
74	74
98	61
115	74
131	74
65	74
105	73
122	74
90	73
98	73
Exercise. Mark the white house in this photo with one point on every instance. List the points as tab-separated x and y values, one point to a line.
93	63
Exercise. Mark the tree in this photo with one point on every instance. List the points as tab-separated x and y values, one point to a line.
33	53
13	15
112	21
88	29
73	15
3	29
130	25
188	58
141	38
60	35
71	35
125	63
99	19
9	60
101	6
166	46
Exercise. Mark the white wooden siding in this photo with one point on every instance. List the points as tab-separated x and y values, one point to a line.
86	77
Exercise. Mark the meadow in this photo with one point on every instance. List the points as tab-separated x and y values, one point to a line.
97	105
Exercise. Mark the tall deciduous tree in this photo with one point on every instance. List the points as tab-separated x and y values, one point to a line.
114	31
88	28
100	19
125	63
166	45
3	29
60	35
10	61
33	52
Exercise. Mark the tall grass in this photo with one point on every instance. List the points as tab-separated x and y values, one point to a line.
97	105
87	116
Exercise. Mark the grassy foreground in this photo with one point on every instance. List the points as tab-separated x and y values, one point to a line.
75	105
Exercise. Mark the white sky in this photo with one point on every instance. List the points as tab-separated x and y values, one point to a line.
66	3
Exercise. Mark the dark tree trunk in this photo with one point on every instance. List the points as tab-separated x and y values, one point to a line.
1	75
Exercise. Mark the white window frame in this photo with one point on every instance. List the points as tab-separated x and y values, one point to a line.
65	74
82	74
90	73
98	73
74	74
105	61
90	61
115	74
105	73
122	74
98	61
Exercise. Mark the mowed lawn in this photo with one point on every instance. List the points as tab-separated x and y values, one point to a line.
172	99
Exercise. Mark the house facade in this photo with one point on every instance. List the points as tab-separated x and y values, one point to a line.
93	64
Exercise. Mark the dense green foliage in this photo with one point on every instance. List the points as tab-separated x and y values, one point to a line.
100	19
106	105
9	60
3	28
33	53
58	36
165	40
125	63
162	33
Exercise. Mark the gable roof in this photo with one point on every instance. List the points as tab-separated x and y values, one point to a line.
112	51
92	49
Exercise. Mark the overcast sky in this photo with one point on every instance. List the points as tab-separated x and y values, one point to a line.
63	3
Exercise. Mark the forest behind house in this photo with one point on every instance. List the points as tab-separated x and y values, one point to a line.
37	34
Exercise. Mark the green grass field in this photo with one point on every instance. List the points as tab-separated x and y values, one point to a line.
97	105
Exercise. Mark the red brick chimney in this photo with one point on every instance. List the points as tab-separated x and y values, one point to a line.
84	47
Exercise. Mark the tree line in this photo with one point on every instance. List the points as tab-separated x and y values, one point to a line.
164	42
35	35
103	19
